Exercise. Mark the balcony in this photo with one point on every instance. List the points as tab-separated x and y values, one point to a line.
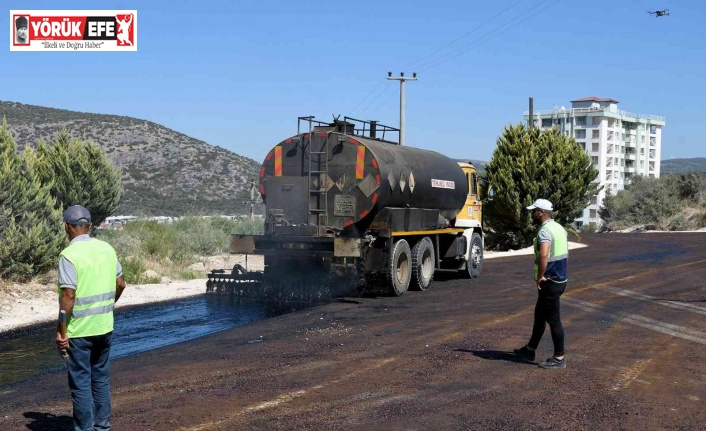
629	170
630	156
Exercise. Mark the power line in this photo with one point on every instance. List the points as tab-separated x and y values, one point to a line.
367	95
479	41
407	66
372	102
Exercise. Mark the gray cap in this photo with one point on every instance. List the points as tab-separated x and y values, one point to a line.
77	215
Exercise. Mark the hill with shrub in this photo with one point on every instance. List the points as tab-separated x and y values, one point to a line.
164	172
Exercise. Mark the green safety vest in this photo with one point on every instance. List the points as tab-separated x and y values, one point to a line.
558	252
95	263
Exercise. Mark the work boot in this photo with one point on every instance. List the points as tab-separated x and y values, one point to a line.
553	363
525	353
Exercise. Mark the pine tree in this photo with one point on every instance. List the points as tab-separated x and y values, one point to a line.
528	164
79	174
31	230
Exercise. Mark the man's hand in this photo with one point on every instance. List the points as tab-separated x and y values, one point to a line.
62	342
541	279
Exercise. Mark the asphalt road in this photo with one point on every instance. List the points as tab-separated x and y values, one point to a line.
437	360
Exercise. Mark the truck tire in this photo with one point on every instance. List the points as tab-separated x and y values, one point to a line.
400	269
474	264
423	263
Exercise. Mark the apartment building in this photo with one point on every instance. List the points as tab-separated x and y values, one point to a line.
621	144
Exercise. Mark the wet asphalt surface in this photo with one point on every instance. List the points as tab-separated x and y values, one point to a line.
635	329
29	352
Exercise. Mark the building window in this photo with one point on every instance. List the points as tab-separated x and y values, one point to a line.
594	200
642	139
582	145
596	121
653	141
642	151
594	161
581	134
592	213
580	121
596	134
595	147
653	129
546	122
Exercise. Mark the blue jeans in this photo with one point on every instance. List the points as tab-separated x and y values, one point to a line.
89	381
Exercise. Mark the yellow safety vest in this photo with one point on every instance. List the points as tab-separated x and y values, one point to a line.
95	262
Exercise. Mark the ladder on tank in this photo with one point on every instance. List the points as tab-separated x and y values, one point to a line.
317	169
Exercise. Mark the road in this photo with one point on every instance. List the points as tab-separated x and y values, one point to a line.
437	360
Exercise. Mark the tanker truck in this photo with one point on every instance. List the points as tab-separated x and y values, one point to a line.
346	209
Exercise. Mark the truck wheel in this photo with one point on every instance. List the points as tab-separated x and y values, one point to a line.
423	262
399	273
475	258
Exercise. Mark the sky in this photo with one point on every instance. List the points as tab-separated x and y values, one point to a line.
237	74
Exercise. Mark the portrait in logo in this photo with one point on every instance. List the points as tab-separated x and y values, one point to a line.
124	26
22	30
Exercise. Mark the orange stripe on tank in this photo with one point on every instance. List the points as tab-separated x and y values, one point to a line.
278	161
269	156
364	213
262	172
375	163
360	163
374	199
347	223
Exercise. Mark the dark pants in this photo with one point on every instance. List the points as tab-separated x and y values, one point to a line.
89	381
548	310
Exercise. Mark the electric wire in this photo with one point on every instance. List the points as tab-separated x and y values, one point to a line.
354	112
366	96
389	89
473	30
482	39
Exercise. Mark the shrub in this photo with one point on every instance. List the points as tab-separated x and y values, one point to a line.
79	173
30	225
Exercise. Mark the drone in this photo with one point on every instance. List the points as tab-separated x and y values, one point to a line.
659	13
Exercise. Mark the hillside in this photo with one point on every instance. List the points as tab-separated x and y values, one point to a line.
678	166
164	172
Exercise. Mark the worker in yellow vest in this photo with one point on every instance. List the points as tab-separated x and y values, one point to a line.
90	282
551	256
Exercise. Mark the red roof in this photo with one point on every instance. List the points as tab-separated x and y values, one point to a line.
595	99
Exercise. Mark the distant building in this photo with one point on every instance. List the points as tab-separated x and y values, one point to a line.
621	144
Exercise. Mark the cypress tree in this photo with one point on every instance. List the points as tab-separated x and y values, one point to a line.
31	230
528	164
79	174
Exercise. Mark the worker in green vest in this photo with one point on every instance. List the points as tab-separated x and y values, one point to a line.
551	255
90	282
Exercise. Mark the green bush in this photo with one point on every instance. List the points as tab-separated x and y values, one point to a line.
79	173
133	267
645	201
175	245
30	225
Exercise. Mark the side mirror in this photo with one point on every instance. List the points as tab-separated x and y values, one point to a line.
491	193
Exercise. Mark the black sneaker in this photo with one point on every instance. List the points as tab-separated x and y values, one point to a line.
525	353
553	363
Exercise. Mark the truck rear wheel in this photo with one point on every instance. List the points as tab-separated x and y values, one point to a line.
399	272
423	260
475	258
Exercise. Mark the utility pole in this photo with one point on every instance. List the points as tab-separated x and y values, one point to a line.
530	120
402	80
252	199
